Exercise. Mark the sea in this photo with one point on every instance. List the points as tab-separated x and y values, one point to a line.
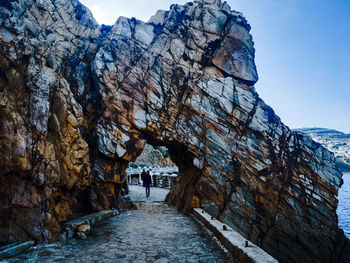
343	210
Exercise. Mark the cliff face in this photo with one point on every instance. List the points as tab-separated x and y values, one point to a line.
335	141
45	161
154	156
78	102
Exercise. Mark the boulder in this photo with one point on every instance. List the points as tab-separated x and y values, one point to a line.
85	228
81	235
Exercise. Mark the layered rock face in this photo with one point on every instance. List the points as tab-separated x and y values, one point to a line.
153	156
79	101
45	161
335	141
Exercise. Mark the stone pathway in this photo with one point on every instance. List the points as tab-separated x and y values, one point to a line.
138	194
156	233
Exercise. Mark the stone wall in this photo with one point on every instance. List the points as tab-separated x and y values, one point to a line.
79	101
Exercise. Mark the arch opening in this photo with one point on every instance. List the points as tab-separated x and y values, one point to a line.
179	159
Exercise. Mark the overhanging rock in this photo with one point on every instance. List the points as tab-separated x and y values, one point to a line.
78	101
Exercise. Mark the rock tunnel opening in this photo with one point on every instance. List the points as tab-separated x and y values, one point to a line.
179	155
158	162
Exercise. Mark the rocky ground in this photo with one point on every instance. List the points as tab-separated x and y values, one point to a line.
156	233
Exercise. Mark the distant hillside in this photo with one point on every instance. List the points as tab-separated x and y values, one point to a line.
335	141
153	156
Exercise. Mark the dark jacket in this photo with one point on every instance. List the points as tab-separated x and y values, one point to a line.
147	180
143	175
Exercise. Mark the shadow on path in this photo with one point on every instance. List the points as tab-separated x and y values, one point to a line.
154	233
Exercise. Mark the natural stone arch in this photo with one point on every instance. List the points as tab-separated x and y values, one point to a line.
183	193
178	83
78	100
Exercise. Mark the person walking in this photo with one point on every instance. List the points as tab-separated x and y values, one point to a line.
147	183
143	176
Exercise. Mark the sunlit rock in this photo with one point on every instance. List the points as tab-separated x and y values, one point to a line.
79	101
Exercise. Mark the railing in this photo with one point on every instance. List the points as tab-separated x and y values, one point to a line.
155	170
164	177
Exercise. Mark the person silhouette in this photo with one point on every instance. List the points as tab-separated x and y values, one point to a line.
143	175
147	181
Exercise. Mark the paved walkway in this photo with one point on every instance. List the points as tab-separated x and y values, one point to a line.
138	194
155	233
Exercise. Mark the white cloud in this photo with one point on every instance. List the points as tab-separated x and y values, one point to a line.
109	11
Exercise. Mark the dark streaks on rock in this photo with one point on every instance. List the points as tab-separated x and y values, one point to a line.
79	101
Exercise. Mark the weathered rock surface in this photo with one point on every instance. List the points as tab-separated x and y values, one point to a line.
79	101
335	141
14	249
45	161
153	156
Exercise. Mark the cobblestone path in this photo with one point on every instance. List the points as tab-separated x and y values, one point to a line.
155	233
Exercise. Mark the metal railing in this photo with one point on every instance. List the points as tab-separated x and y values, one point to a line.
155	170
164	177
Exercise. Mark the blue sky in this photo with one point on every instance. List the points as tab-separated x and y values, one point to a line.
302	53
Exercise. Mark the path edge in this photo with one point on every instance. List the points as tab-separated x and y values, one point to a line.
237	246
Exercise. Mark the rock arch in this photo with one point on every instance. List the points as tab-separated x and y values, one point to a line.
85	100
184	80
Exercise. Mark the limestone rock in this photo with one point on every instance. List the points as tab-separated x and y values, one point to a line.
84	229
79	101
42	147
81	235
69	233
154	156
335	141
